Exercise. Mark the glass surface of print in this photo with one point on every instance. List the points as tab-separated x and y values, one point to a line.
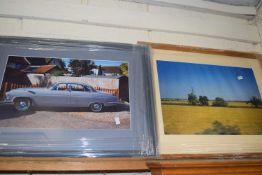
209	99
65	93
74	98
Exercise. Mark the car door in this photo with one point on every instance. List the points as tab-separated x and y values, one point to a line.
58	96
80	96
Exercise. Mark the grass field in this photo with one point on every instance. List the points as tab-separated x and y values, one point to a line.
186	119
230	104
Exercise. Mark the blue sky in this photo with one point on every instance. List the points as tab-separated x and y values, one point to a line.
231	83
66	61
108	63
98	62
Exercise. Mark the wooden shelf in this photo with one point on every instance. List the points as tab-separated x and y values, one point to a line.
215	164
27	164
206	167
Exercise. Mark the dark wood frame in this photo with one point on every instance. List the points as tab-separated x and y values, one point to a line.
186	164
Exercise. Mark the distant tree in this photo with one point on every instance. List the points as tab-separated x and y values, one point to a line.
255	101
219	102
192	98
57	73
81	67
75	67
203	100
124	69
100	71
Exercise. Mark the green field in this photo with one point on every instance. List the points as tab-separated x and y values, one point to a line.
186	119
230	104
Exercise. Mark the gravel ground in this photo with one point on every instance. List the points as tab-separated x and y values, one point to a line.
66	118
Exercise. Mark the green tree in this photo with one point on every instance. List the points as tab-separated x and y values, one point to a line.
81	67
219	102
192	98
124	69
203	100
57	73
255	101
100	71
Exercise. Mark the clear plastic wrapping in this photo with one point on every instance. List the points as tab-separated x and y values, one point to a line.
71	98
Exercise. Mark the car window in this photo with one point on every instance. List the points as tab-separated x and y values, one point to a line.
87	89
90	89
61	87
77	87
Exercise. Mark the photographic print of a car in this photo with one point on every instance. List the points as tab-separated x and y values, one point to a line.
62	94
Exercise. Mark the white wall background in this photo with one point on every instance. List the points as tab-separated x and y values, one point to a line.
126	22
258	20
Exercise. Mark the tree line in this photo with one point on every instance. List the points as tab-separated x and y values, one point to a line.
84	67
218	101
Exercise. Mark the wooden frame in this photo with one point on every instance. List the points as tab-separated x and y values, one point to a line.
181	144
251	55
202	50
216	163
211	167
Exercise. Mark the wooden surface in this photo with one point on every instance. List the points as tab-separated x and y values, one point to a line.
222	156
27	164
206	167
201	50
259	57
164	164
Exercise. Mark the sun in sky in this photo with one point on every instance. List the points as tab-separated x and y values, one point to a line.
240	77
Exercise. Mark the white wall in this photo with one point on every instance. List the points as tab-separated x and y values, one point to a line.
126	22
258	21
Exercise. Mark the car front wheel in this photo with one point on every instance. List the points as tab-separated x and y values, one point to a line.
22	104
96	107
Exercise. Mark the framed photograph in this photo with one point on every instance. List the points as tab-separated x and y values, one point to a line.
69	98
207	102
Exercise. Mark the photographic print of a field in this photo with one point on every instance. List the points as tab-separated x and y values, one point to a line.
209	99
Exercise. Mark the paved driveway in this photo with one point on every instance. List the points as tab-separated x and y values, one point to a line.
75	118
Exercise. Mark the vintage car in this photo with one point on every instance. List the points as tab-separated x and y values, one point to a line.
61	94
